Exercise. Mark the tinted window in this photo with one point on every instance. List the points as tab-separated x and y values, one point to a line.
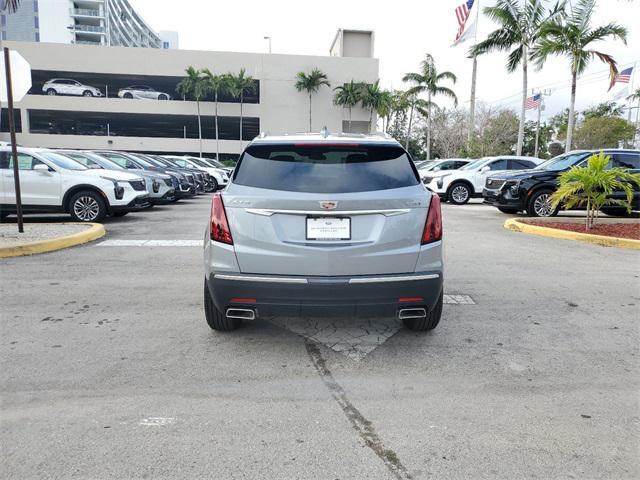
520	165
62	161
562	162
25	162
86	161
323	168
626	160
498	165
122	161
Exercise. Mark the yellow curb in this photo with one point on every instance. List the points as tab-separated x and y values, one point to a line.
96	231
516	226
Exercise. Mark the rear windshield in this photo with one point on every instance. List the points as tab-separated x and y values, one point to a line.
324	168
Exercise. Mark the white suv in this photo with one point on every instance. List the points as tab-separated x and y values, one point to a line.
221	176
50	183
459	186
67	86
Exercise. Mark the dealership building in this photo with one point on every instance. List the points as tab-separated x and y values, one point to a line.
171	126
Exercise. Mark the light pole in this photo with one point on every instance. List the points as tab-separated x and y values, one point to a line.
268	38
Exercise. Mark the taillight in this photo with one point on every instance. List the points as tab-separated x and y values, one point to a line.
433	225
219	226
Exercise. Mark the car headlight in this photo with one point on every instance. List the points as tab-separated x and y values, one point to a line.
118	190
513	186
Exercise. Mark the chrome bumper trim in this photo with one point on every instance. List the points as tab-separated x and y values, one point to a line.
266	212
224	276
298	280
400	278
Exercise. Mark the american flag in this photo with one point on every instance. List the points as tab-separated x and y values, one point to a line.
462	15
533	102
624	76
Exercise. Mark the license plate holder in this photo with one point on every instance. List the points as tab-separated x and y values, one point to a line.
328	228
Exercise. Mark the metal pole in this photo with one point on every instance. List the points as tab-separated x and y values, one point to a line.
538	129
474	73
14	148
185	131
108	130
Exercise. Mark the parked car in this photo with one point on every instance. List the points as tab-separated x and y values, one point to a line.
181	184
220	176
143	92
188	185
163	186
317	224
459	186
53	183
202	184
441	165
530	191
210	162
67	86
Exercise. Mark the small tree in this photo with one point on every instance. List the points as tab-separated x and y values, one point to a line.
237	86
592	186
372	99
603	132
194	86
348	96
216	84
311	83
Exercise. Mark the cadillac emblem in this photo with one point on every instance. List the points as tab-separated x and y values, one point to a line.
328	205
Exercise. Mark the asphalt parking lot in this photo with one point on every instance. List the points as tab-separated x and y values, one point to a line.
110	371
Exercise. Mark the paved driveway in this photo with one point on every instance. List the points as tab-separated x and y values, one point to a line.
108	369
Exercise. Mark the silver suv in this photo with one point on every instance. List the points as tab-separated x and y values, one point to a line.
324	225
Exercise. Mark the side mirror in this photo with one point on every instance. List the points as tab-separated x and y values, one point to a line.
41	168
437	169
485	169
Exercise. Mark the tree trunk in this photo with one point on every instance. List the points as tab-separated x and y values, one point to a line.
217	139
572	107
523	108
349	119
199	127
310	125
241	101
472	105
406	144
371	121
429	127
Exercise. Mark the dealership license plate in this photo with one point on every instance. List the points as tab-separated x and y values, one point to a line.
328	228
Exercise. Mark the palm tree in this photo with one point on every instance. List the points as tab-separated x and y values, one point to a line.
311	83
10	6
215	84
385	108
237	86
520	24
415	103
348	96
592	186
570	35
428	80
194	86
372	98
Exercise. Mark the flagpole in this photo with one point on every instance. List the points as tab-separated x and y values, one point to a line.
474	73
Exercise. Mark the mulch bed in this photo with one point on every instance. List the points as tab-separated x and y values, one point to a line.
622	230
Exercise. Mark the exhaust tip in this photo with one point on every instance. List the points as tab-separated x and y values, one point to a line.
406	313
241	313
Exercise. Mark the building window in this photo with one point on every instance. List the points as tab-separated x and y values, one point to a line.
3	20
37	36
4	120
4	35
55	122
35	6
165	45
36	21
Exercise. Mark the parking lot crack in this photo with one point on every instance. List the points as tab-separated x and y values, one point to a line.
360	424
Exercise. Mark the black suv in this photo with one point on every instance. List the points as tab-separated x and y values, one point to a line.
530	191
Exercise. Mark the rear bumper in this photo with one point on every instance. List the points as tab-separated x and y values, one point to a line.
370	296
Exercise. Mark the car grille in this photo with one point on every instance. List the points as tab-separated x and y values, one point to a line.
168	181
137	185
494	184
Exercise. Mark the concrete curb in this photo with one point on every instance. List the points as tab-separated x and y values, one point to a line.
517	226
93	233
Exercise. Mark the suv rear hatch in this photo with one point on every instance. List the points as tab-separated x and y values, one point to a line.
320	209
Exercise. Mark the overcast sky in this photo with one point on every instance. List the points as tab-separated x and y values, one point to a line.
405	30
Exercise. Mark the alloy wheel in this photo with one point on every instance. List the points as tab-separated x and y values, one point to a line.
86	208
542	205
460	194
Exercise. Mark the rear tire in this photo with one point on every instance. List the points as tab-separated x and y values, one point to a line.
540	205
459	193
51	92
163	97
127	95
508	211
87	93
427	323
87	206
216	319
